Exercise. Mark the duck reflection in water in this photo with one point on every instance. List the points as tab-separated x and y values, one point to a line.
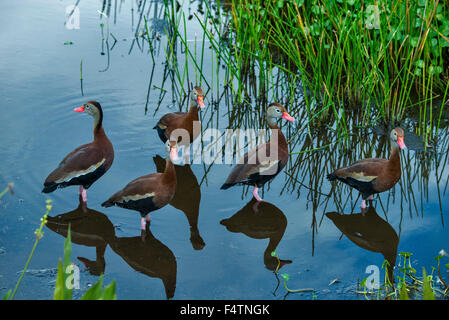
89	228
267	222
149	256
187	198
369	231
143	253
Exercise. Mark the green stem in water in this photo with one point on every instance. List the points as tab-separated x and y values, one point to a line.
296	290
8	188
39	235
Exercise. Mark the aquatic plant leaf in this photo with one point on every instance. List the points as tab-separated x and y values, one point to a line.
419	64
6	297
363	282
59	287
414	41
109	292
427	293
286	276
95	292
273	253
68	272
403	295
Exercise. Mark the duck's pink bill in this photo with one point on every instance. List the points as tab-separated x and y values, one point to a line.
288	117
200	102
174	154
401	143
79	109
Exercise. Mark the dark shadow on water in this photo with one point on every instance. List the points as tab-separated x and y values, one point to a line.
143	253
187	198
149	256
88	228
268	222
370	232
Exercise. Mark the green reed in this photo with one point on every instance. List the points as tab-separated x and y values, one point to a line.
384	58
407	285
39	234
9	188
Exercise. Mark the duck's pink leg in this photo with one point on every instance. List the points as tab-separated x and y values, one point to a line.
363	204
83	194
256	194
371	197
143	223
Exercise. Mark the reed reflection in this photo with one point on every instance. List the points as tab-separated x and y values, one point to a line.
187	198
370	232
267	222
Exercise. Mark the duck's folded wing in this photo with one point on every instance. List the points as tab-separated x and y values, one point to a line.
363	171
170	118
81	161
138	189
256	161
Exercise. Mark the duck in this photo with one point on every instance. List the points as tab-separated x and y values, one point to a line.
150	192
183	120
187	198
374	175
87	163
254	171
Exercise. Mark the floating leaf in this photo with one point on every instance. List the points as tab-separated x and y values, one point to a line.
286	276
363	283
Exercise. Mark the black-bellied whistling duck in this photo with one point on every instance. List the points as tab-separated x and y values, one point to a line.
187	198
182	120
87	163
151	192
264	162
372	176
